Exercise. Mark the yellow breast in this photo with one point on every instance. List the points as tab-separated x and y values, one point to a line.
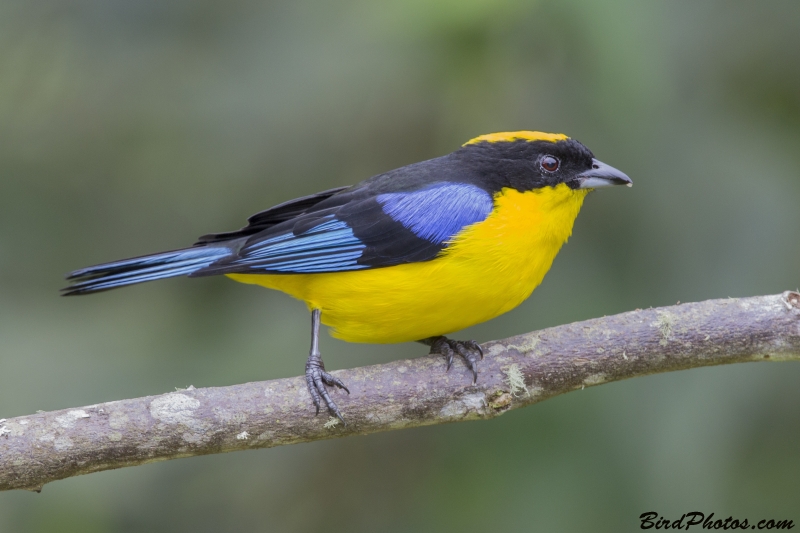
488	269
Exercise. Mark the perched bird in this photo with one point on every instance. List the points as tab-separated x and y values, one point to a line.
408	255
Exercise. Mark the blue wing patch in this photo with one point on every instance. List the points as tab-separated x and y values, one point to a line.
329	246
438	213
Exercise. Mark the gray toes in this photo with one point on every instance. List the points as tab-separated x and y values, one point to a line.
316	381
470	351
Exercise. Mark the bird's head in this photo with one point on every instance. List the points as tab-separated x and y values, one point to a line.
527	160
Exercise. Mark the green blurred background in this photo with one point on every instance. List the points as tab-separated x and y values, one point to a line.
132	127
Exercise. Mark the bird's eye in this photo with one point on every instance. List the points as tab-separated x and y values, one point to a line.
549	163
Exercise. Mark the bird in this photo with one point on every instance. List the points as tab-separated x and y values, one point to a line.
412	254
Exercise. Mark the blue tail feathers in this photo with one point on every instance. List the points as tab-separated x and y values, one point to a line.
140	269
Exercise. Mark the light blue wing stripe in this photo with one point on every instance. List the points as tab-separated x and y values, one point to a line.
329	226
315	242
351	265
327	247
298	255
317	254
323	269
318	261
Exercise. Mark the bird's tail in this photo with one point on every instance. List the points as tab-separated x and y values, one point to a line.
140	269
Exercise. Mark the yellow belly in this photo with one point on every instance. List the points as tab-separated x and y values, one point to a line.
489	269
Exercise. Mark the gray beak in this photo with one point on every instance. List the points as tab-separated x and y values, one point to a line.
602	175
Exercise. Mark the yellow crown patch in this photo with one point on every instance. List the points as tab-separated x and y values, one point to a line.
507	136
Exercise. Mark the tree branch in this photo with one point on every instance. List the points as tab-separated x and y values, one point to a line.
516	372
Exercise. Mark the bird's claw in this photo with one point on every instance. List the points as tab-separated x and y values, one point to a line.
470	351
316	380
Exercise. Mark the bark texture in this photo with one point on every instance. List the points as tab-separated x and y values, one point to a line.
518	371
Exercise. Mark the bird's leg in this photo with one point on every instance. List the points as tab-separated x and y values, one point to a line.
316	377
470	350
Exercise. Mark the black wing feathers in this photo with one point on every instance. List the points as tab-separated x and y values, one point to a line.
271	217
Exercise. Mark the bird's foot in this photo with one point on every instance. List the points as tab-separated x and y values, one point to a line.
470	351
316	379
